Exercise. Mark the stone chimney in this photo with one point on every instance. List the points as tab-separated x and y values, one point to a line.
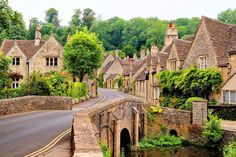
37	36
135	56
154	50
171	34
142	53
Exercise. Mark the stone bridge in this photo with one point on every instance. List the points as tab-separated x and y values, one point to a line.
117	123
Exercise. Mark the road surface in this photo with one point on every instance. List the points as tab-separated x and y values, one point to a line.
23	134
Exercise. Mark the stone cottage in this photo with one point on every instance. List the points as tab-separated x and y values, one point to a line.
32	55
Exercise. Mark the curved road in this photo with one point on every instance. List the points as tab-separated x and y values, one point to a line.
23	134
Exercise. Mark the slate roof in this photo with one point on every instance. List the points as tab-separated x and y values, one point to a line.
162	59
182	47
105	68
222	36
111	76
141	76
26	46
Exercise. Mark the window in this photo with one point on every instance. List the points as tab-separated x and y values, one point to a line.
16	61
15	83
51	61
202	62
229	97
173	65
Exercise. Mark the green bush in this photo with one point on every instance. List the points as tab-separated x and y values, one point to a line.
78	90
162	140
188	105
230	150
12	92
106	152
213	131
36	84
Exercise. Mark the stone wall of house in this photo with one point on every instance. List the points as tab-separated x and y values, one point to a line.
50	49
34	103
201	47
170	119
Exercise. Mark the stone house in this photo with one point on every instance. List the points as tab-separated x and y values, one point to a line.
32	55
214	46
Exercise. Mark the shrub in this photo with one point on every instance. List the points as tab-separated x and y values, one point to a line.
213	131
230	150
36	84
12	92
78	90
120	82
100	80
106	152
188	105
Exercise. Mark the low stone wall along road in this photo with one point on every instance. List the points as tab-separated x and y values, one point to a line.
25	133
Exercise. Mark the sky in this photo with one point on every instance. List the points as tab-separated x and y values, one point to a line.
126	9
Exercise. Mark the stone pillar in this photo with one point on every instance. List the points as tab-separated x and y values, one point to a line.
136	125
117	139
199	114
144	122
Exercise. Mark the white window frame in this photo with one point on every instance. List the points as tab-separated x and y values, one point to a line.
229	96
51	61
203	62
14	61
16	82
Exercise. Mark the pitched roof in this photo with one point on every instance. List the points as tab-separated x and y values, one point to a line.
162	60
182	47
106	67
111	76
26	46
219	34
141	76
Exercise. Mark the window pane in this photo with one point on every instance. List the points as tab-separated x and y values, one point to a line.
232	97
226	97
13	61
17	61
51	61
47	61
55	61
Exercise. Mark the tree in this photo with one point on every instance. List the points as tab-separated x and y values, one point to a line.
4	70
88	18
34	22
52	17
83	54
228	16
76	18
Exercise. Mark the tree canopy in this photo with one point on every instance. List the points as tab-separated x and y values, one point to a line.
83	54
228	16
52	17
4	71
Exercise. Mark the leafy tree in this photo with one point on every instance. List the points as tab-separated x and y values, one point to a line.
76	18
83	54
48	29
228	16
52	17
4	70
34	22
88	18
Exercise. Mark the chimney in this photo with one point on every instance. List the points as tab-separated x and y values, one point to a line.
171	34
142	53
37	36
154	50
135	56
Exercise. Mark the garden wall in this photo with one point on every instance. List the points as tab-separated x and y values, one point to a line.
34	103
169	118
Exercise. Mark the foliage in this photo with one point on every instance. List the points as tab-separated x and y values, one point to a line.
36	84
213	131
78	90
226	114
162	140
112	84
122	154
88	18
156	109
230	150
190	82
58	83
83	54
228	16
52	17
4	70
189	103
76	18
11	93
100	80
106	152
120	81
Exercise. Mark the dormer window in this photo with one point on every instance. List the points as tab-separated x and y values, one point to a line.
203	62
52	61
173	65
16	61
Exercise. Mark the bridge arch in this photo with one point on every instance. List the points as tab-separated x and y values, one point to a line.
173	132
125	139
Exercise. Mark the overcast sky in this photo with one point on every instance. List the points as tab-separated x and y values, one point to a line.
163	9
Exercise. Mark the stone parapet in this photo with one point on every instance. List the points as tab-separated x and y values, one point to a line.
34	103
200	112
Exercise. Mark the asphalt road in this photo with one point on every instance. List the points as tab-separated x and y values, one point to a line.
23	134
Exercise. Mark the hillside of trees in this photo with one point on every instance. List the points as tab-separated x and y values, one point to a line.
115	33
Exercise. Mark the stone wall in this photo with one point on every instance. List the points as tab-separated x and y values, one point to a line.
178	120
105	122
34	103
200	112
